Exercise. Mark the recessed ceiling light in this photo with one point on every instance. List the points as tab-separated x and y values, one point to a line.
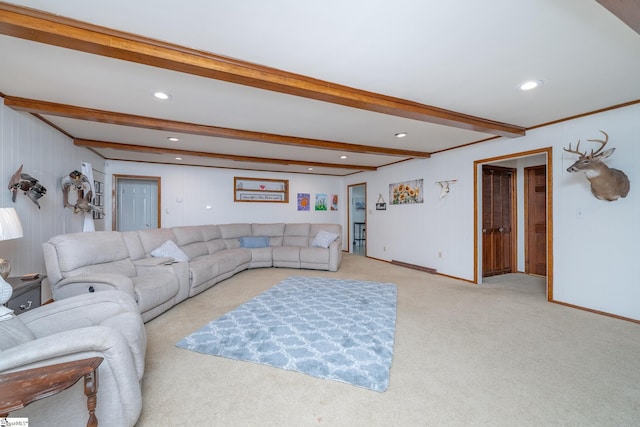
401	134
173	139
531	84
343	156
309	169
178	158
162	95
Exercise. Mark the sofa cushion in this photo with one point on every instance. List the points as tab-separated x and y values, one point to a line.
13	333
187	234
273	231
154	289
123	267
217	245
210	232
235	231
171	250
261	257
323	239
191	240
203	269
134	245
154	237
296	235
77	250
314	255
254	242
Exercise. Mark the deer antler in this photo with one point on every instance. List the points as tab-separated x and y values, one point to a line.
603	143
576	151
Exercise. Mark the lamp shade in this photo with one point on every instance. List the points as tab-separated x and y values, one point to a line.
10	227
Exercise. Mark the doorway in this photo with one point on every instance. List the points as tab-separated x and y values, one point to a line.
357	219
136	203
531	227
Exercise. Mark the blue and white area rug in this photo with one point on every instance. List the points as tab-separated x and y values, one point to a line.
335	329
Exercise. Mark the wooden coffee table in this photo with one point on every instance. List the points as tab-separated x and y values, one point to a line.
18	389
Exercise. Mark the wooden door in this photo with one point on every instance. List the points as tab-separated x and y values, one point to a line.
497	220
536	220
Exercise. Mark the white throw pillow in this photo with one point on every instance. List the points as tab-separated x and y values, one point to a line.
171	250
323	239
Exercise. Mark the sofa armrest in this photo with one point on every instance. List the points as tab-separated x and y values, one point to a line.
180	269
335	254
77	312
93	282
118	367
152	261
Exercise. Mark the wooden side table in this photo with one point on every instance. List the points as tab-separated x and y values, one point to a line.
18	389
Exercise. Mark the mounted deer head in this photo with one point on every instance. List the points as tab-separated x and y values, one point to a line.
606	183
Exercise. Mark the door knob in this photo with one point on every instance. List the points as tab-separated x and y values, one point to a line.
501	229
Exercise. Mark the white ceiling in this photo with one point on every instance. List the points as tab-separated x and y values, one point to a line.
465	56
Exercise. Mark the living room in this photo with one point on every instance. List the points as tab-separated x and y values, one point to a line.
591	257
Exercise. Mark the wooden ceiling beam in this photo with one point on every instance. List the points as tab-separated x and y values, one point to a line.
42	27
81	113
176	152
628	11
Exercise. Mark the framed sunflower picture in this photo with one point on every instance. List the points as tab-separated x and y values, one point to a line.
407	192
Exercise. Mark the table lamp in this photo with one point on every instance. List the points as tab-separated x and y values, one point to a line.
10	228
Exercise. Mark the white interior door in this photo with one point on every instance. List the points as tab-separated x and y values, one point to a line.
137	204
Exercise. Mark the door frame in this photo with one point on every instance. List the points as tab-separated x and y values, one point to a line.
527	203
349	215
477	212
114	195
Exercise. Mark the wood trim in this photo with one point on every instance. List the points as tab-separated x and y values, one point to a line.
42	27
590	310
69	111
627	11
172	151
414	266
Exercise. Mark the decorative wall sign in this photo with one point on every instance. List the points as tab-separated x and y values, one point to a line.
381	205
407	192
260	190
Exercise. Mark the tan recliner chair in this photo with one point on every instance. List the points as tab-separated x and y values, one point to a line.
102	324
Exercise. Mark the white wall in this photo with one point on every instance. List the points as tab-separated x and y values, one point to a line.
187	191
47	155
595	257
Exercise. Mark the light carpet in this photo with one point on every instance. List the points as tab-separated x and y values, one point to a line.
335	329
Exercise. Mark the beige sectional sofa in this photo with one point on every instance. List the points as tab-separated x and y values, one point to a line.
139	263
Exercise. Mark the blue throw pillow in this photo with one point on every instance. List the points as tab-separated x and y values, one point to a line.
254	242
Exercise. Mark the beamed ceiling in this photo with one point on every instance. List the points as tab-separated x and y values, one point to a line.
287	86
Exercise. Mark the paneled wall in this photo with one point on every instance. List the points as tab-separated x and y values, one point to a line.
47	155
